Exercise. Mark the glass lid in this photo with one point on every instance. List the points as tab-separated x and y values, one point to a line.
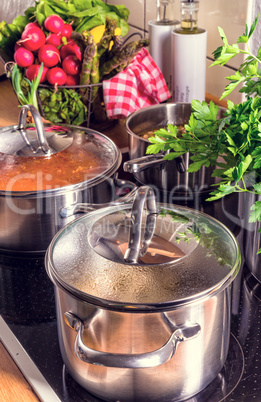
44	157
144	253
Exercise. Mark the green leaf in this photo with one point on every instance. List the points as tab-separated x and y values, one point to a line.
230	141
236	76
223	36
230	87
173	155
244	126
256	212
243	39
155	148
173	130
257	187
90	12
221	192
253	26
204	111
253	68
215	197
217	52
246	163
194	167
170	132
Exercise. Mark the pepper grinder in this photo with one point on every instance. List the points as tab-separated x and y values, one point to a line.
189	52
160	37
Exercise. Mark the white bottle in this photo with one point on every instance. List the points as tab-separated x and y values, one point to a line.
160	38
189	51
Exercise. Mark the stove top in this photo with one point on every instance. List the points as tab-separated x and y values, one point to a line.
27	308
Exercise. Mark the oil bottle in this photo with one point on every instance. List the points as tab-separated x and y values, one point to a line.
188	54
160	37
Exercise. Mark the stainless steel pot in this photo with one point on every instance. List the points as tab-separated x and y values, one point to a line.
30	219
153	170
170	179
143	299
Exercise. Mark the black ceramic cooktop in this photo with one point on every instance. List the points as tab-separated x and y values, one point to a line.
28	308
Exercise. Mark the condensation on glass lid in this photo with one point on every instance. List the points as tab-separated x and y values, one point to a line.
78	267
170	239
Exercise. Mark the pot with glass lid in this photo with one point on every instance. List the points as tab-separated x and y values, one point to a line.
46	168
143	299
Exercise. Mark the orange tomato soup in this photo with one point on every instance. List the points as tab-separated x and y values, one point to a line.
73	165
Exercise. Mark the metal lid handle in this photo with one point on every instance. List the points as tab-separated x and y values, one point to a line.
43	144
135	249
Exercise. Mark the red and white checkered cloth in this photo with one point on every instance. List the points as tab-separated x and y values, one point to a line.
139	85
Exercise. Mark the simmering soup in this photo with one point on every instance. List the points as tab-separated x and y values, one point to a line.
73	165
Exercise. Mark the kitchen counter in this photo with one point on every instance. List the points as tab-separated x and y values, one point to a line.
13	385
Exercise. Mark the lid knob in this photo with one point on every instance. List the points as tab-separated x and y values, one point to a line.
43	144
135	247
34	140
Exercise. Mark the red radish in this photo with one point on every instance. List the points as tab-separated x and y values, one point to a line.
70	48
33	38
56	76
71	65
33	70
17	46
54	23
23	57
49	55
54	39
32	25
67	31
72	80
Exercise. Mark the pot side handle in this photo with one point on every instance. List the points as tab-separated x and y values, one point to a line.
144	162
152	161
82	208
140	360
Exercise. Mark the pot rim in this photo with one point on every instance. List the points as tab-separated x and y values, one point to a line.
167	105
76	186
143	307
146	307
143	110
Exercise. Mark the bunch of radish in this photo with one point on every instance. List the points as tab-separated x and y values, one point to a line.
52	46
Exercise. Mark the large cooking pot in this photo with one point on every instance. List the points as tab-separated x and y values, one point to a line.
143	299
29	217
153	170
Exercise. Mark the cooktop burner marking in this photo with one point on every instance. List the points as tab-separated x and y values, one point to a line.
242	369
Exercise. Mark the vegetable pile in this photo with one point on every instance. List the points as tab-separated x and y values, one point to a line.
234	139
73	44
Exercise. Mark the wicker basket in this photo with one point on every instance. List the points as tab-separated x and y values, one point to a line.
94	105
95	110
